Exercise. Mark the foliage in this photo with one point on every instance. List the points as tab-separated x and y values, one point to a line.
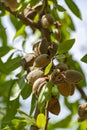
13	83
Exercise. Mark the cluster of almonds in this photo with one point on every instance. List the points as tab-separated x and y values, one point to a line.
44	52
35	64
82	111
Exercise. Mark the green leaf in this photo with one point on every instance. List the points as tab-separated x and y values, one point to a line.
3	35
33	104
61	8
26	92
74	8
12	107
66	46
84	58
20	32
26	118
6	87
45	95
3	68
12	64
48	68
17	88
4	50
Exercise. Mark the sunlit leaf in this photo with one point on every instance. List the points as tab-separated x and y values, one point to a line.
84	58
20	32
48	68
74	8
41	120
66	46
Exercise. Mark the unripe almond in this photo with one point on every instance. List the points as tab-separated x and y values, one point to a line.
43	46
56	77
64	88
61	66
28	60
54	106
72	76
47	20
72	89
41	61
34	75
38	83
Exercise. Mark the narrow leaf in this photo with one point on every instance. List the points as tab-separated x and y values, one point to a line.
12	64
84	58
61	8
17	88
66	46
3	69
33	104
74	8
29	120
48	68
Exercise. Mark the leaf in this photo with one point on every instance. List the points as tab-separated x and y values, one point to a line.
84	58
11	111
48	68
74	8
26	91
17	88
45	95
3	35
41	120
20	32
26	118
4	50
12	64
6	87
61	8
66	46
3	69
33	104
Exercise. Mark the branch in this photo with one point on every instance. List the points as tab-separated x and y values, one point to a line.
47	116
24	19
35	116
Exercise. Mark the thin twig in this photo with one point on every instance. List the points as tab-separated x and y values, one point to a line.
35	116
47	116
